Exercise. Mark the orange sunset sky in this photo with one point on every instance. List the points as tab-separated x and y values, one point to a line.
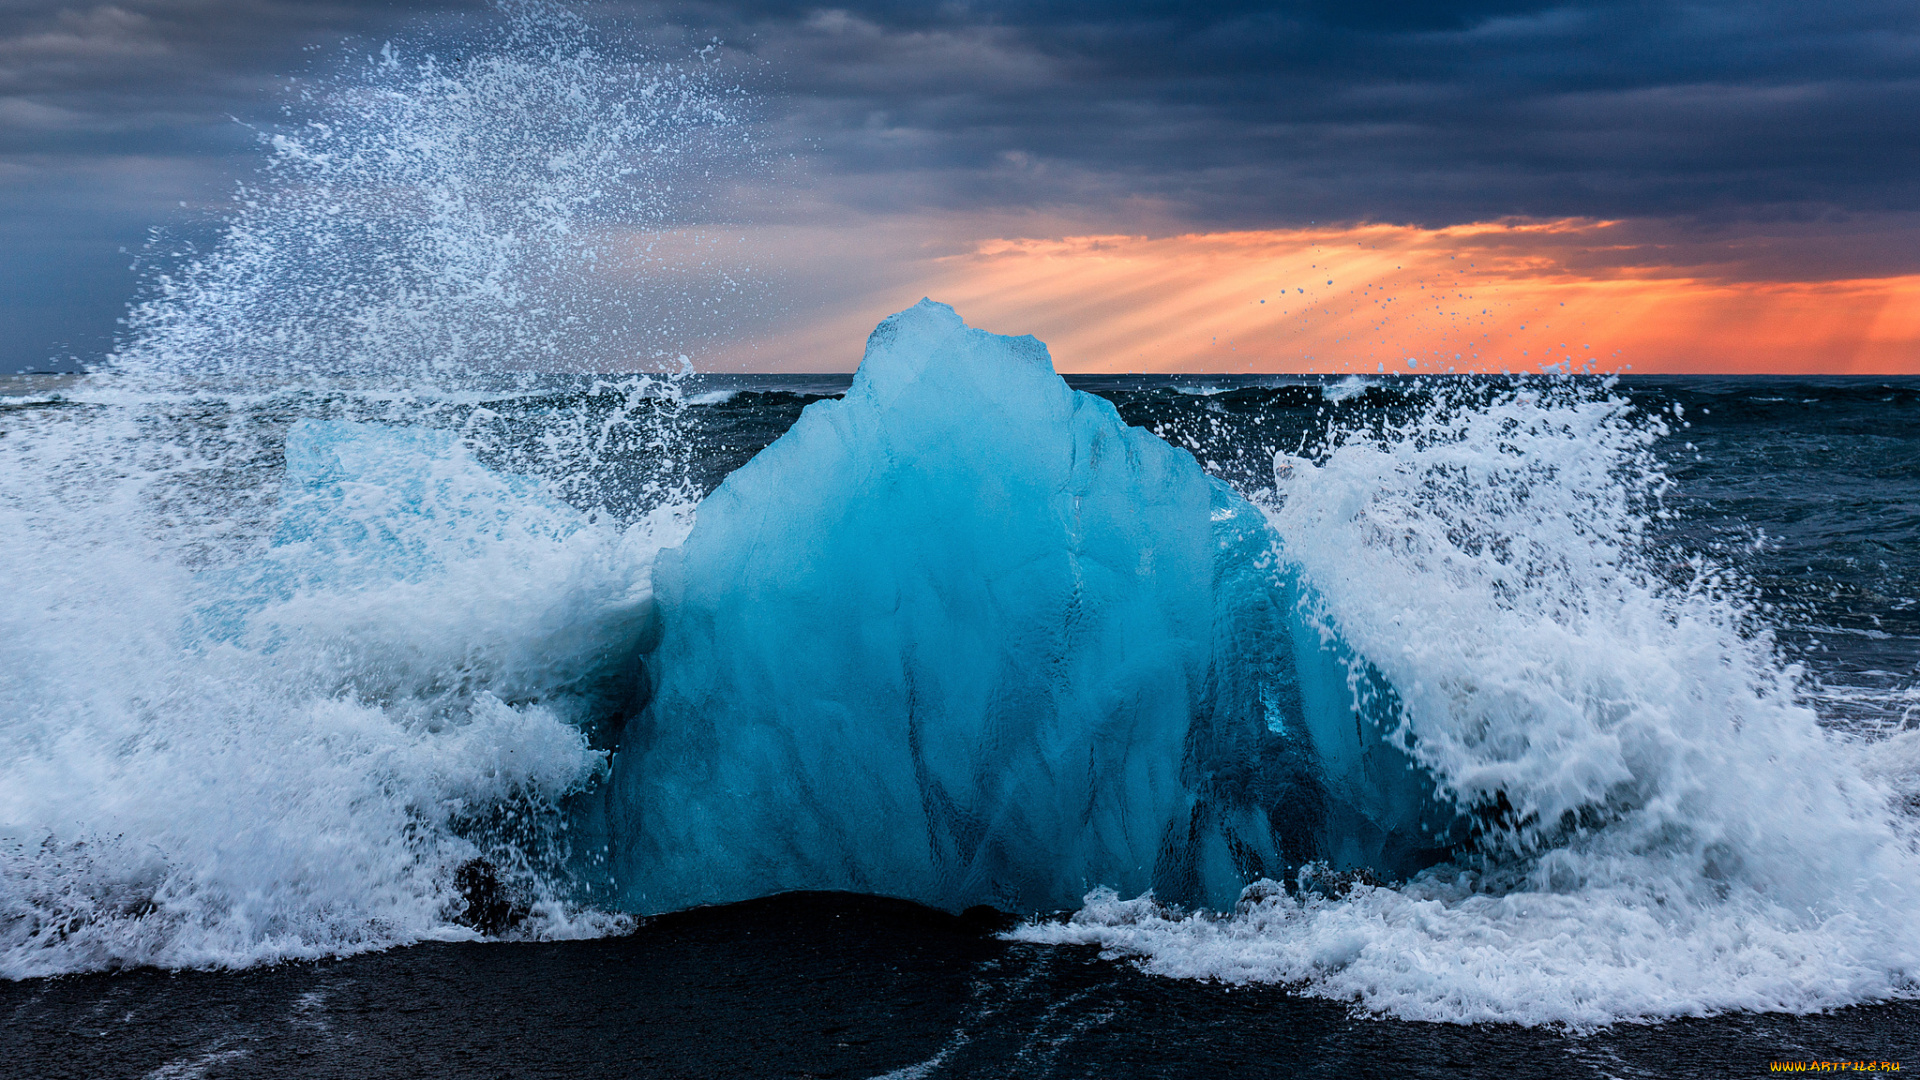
1487	297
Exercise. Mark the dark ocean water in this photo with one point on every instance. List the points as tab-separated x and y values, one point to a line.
1826	474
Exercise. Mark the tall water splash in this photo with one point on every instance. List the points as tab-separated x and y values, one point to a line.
1662	827
316	592
430	218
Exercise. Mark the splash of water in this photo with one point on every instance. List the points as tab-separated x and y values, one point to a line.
1664	829
230	736
422	218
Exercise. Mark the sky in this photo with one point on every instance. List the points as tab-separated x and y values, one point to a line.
1356	186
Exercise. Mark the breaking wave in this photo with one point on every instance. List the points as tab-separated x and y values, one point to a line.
320	592
1661	827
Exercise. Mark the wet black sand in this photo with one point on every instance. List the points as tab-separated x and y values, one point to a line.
823	985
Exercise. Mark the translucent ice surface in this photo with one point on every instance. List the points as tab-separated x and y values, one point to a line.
966	637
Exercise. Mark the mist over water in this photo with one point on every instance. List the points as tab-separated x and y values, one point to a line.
341	576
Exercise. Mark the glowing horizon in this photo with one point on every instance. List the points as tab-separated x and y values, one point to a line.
1484	297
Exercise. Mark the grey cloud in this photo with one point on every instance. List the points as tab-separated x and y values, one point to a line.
1287	113
1705	115
112	115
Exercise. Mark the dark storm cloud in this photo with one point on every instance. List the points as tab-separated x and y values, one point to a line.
1246	115
115	116
1184	115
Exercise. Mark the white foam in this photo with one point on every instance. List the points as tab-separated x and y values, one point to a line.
1349	387
196	769
231	735
1683	836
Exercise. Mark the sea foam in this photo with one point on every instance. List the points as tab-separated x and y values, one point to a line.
298	622
1664	829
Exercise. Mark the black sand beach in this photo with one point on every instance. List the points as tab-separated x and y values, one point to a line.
822	985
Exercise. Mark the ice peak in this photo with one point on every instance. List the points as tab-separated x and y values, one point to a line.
930	343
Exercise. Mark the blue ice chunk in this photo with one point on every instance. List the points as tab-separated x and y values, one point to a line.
966	637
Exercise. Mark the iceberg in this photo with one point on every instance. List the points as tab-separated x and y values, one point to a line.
964	636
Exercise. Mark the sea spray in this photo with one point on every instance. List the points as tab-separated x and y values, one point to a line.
319	592
1663	828
499	205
